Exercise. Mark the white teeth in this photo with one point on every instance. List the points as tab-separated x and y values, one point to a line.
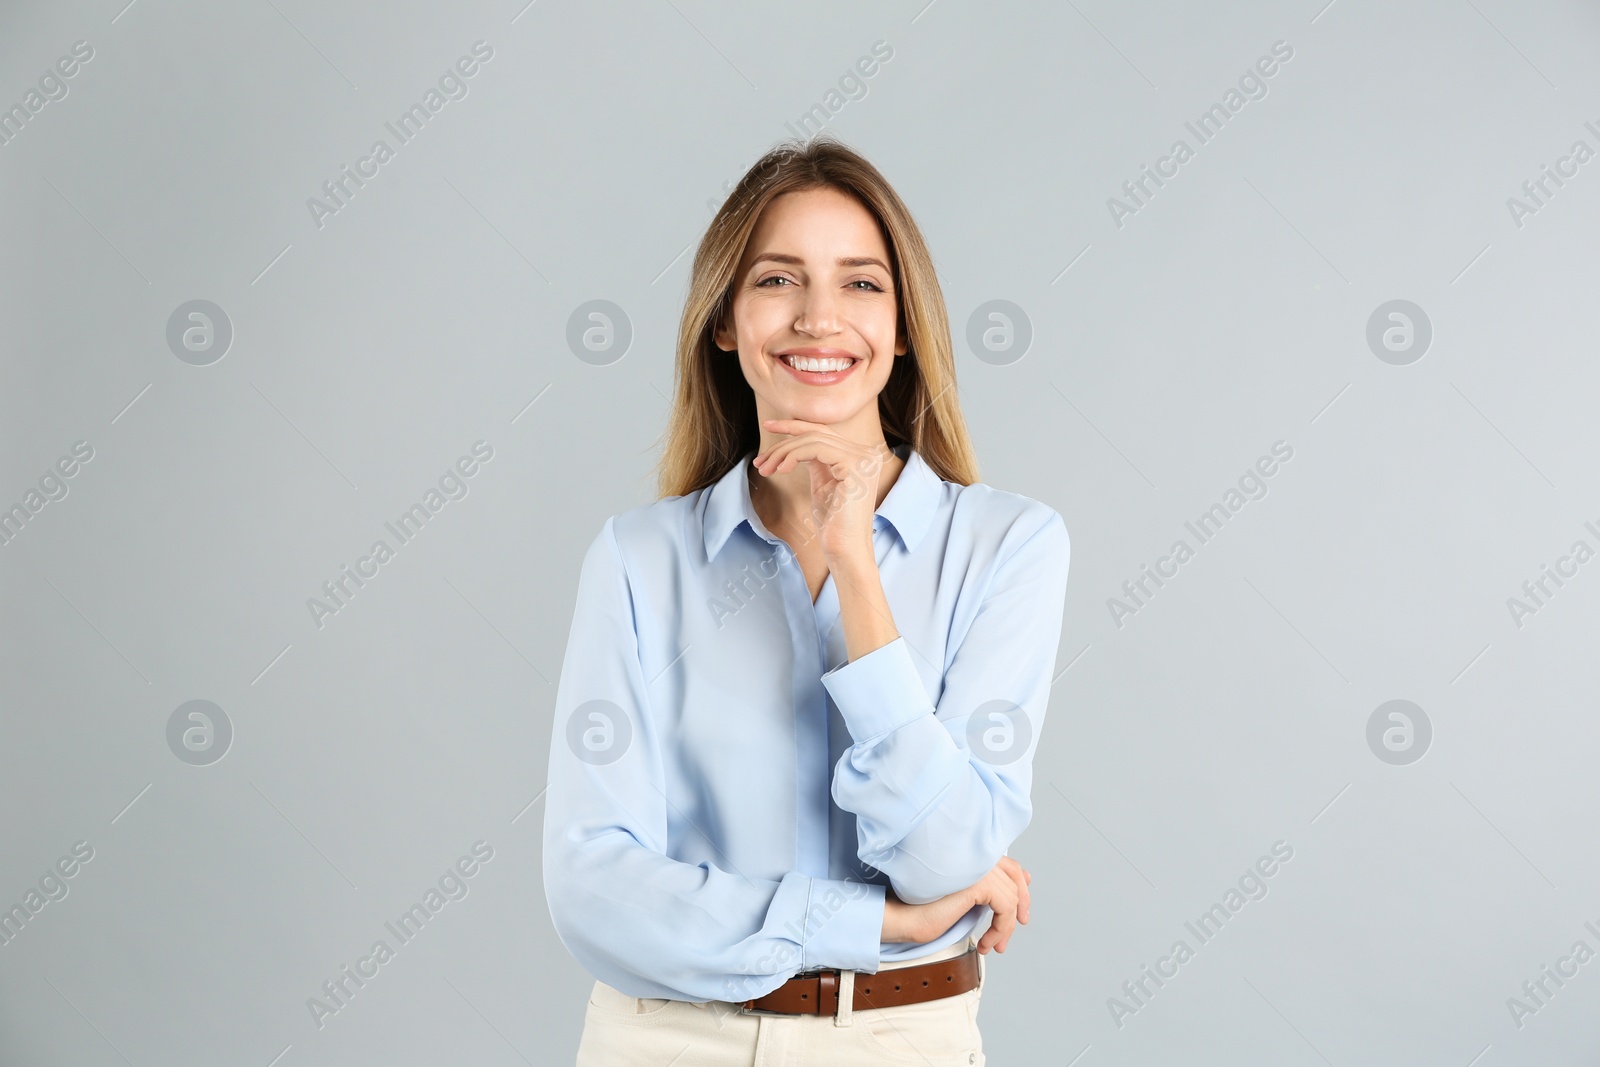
808	363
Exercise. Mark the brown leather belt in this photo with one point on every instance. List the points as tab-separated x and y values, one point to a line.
817	992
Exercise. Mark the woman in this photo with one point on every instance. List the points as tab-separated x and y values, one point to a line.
794	727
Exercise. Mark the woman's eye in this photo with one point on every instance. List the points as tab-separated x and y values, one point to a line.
872	286
774	278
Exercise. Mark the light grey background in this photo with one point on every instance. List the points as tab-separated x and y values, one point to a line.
431	312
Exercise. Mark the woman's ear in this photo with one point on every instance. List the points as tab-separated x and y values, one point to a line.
722	336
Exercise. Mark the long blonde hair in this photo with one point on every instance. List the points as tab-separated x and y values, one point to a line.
713	421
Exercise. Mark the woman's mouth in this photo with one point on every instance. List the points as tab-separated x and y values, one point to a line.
818	370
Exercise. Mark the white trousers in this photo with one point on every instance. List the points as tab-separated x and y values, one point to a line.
624	1031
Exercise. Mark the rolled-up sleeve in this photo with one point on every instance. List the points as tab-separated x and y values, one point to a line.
640	921
940	791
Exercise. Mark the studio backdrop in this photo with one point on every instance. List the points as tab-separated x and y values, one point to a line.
332	334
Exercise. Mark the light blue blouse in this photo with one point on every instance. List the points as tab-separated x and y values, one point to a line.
728	797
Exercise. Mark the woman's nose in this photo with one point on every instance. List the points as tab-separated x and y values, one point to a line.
819	315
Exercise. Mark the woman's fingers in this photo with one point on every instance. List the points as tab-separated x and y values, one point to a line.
1022	878
804	451
773	460
843	457
1013	911
784	455
1000	892
1000	929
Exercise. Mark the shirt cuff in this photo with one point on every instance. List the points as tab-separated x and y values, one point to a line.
846	922
879	692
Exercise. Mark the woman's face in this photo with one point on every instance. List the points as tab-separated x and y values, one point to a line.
814	288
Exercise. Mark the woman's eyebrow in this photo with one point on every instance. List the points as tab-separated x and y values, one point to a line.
843	261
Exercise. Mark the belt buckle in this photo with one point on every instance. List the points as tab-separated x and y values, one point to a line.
747	1010
814	974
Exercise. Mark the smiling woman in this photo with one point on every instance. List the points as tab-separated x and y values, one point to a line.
773	844
762	227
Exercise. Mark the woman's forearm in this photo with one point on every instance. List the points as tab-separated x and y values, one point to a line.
863	607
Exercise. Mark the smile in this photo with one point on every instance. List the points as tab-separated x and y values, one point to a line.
818	370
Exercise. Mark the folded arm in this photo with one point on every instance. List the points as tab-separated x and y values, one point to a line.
940	791
640	921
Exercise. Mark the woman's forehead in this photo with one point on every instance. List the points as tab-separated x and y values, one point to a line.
789	226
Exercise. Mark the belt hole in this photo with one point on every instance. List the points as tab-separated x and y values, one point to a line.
897	987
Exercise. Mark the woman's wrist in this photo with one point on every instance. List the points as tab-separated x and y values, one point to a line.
864	612
923	922
856	565
896	919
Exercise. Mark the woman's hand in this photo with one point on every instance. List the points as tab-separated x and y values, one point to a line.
1004	889
844	485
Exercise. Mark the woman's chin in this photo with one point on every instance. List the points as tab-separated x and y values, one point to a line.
823	412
